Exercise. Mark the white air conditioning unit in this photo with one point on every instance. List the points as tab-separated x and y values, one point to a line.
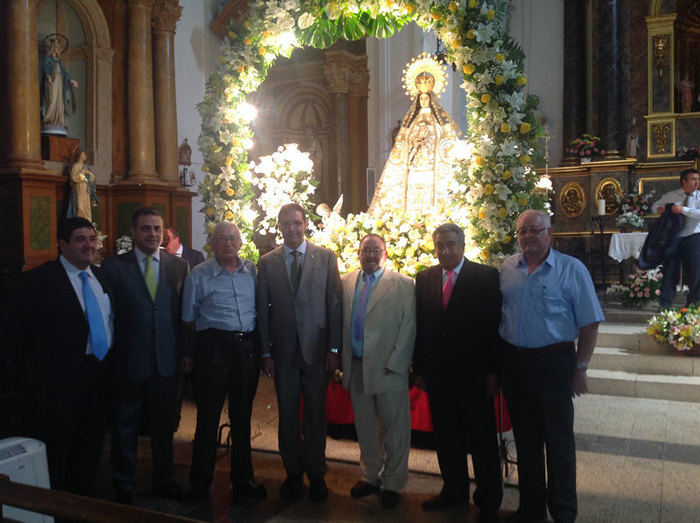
24	460
371	183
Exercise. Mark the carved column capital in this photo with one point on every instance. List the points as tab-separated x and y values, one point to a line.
148	4
339	70
359	86
166	14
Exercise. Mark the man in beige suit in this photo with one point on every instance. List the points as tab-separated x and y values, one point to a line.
298	302
379	330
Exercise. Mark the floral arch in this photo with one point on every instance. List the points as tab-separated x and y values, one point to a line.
489	191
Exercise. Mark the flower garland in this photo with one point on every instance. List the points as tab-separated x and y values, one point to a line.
489	191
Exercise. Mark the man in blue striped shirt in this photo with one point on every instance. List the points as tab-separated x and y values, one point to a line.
219	304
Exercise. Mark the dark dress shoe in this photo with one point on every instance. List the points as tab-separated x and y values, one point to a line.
487	516
123	497
256	490
292	488
362	488
442	501
521	517
317	490
169	492
390	498
197	495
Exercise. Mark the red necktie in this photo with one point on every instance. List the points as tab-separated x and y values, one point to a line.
447	288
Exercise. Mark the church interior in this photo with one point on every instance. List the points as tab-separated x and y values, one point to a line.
120	96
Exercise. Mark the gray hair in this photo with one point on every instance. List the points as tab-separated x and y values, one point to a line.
543	215
222	225
448	228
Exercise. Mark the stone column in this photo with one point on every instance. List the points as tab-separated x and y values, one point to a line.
357	122
338	76
166	13
19	86
142	160
612	83
575	109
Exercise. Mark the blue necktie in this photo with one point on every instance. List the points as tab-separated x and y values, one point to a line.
359	327
98	335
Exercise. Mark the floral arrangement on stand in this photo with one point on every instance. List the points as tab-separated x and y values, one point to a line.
490	191
633	208
585	147
640	288
123	244
680	328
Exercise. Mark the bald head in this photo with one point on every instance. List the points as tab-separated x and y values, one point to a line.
540	216
226	241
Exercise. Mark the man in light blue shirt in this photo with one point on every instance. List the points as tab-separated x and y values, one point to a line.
548	301
219	304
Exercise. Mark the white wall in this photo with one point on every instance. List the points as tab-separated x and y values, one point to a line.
196	54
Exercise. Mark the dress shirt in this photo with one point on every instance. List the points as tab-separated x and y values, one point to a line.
548	306
691	211
179	250
214	298
356	345
288	258
456	271
155	262
102	298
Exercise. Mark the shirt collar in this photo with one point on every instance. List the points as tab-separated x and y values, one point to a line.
456	269
217	269
550	260
140	256
377	274
179	250
72	269
301	249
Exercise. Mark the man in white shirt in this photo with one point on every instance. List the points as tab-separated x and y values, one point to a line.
686	201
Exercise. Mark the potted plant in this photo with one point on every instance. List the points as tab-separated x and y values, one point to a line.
585	148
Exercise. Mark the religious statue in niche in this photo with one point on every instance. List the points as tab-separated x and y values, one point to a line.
419	168
572	199
184	159
313	147
83	194
57	89
686	87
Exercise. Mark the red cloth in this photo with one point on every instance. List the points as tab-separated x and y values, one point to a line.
338	404
420	410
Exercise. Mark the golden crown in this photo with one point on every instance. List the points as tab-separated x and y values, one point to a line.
424	74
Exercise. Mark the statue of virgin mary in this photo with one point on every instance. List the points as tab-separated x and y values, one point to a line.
419	168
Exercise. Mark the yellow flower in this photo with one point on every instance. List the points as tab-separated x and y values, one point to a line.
235	142
267	33
247	41
498	79
436	16
389	3
240	69
485	98
468	69
485	254
482	214
229	215
473	3
521	81
507	239
410	8
499	57
209	211
262	51
228	161
247	24
229	191
480	161
490	14
506	175
525	159
502	213
470	34
453	7
222	59
488	188
232	35
522	201
524	128
505	128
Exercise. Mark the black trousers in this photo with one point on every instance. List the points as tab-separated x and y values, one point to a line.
685	251
538	388
464	421
157	394
72	424
225	363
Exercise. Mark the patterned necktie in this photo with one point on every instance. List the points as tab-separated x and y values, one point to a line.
686	199
295	273
359	326
149	275
447	288
98	335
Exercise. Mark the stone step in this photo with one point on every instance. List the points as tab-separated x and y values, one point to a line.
626	360
626	315
629	336
654	386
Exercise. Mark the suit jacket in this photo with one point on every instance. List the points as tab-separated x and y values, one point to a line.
147	333
464	337
390	332
658	245
192	257
313	316
51	333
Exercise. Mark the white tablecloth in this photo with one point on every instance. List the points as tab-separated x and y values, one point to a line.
624	245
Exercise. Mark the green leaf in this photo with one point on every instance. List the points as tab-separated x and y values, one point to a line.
381	27
321	34
350	27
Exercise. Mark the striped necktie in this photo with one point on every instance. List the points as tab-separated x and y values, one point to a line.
98	334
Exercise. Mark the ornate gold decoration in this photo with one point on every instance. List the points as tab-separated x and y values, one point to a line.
572	199
166	13
661	133
608	189
424	74
660	45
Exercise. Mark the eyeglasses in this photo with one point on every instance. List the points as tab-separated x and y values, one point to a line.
227	239
532	231
372	250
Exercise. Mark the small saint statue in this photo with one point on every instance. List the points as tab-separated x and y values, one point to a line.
83	188
57	89
419	168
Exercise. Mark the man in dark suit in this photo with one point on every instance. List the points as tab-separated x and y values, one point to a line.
176	248
148	284
298	300
458	305
64	330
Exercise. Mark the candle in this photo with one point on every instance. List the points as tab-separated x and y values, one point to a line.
601	207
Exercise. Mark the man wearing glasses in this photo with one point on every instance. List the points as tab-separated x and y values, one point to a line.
548	301
219	304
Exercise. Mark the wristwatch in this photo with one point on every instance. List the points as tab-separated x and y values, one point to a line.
581	366
335	350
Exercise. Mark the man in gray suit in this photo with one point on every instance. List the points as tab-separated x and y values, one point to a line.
298	299
148	284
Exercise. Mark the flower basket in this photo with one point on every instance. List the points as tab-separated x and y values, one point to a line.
680	328
640	288
586	148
